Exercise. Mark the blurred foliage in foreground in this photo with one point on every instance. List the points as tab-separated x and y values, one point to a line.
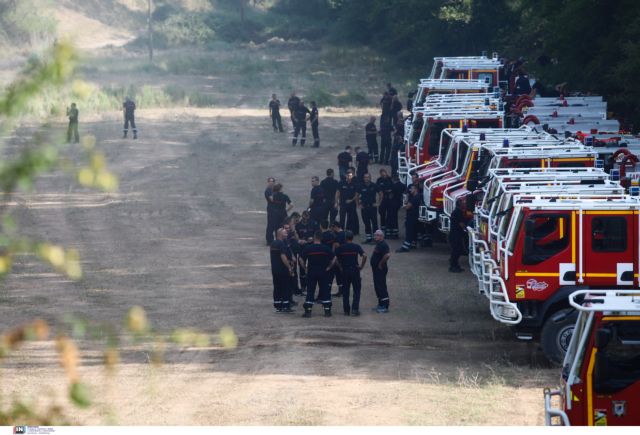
20	166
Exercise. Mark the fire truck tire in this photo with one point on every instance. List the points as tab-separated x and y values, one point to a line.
556	334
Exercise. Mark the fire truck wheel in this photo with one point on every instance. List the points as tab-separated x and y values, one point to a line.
556	334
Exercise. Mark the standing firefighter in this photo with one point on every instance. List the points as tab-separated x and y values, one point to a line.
274	112
318	200
379	268
411	221
346	198
300	117
292	104
314	119
368	202
282	271
72	130
344	162
347	258
385	139
330	186
362	162
371	135
384	185
272	225
129	111
395	204
318	259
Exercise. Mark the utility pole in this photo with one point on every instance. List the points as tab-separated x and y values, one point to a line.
150	30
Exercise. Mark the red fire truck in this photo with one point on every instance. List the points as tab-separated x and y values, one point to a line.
600	384
469	68
549	246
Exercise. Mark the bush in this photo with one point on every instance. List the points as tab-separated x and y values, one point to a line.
185	29
320	96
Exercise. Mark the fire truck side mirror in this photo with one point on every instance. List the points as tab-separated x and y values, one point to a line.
603	337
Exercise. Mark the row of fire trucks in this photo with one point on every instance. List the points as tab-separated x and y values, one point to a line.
550	190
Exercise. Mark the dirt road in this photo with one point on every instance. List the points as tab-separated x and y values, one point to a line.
184	238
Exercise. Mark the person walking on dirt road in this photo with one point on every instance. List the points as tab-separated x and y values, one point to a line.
379	259
314	119
347	260
300	117
129	111
282	271
318	259
274	112
72	130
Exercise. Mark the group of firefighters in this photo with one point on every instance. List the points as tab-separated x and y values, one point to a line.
311	249
128	110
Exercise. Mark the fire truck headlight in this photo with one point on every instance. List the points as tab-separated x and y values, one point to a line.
508	312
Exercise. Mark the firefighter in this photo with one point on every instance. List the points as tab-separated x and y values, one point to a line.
418	124
344	162
391	90
300	117
368	200
274	112
347	260
395	204
338	240
371	135
282	204
129	111
346	198
456	238
318	200
362	160
272	225
398	144
396	110
330	186
282	271
384	187
410	97
412	208
385	139
424	229
379	268
318	259
292	104
72	130
305	229
314	118
523	87
295	246
385	106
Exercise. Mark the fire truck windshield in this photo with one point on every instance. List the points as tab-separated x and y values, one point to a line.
618	362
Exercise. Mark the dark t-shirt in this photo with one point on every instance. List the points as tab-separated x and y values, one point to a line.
293	103
457	217
330	187
370	131
328	238
414	211
379	252
306	230
344	159
129	108
340	238
347	191
368	194
274	105
280	201
73	115
363	160
348	255
385	186
279	247
315	117
318	257
267	195
301	113
318	196
397	189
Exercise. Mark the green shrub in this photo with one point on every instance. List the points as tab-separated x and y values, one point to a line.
320	96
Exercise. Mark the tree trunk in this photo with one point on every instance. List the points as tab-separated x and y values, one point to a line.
150	29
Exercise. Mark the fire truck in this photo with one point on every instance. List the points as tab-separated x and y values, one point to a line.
469	68
600	384
422	134
427	87
548	246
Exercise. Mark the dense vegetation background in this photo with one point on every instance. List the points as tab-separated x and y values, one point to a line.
592	45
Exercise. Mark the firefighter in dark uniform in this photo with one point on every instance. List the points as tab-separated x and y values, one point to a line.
282	204
391	90
371	135
384	187
72	130
424	230
339	240
319	259
330	186
272	225
362	160
379	267
523	86
368	201
398	145
417	126
411	220
305	229
385	139
314	119
396	110
282	270
318	201
292	104
129	111
274	112
410	97
346	198
300	117
344	162
456	238
347	260
293	243
395	204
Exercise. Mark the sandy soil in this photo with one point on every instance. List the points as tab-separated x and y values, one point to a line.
184	239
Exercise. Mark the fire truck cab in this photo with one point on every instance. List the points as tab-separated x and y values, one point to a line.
469	68
447	86
551	246
600	384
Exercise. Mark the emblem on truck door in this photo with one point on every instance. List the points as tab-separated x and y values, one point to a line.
619	408
536	286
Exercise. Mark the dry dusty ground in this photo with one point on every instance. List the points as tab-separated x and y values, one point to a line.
184	238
